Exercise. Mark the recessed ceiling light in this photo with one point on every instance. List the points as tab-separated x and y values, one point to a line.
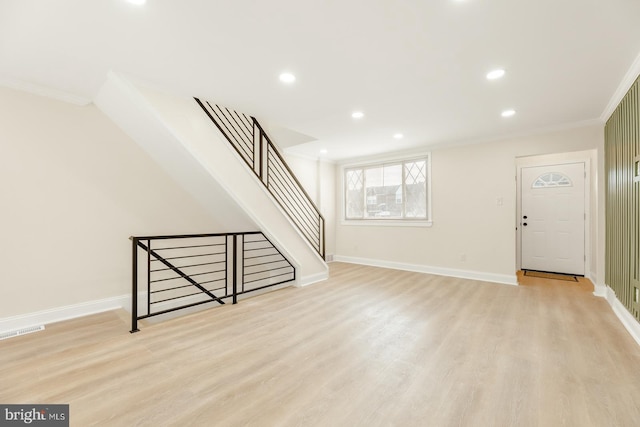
324	151
398	136
508	113
495	74
137	2
357	114
287	78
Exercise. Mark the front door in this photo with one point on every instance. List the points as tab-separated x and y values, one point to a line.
553	218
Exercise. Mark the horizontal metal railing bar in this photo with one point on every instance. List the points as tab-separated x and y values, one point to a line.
265	286
257	249
190	256
257	241
186	286
269	262
188	236
213	281
273	252
263	256
267	270
258	280
251	236
191	275
249	248
187	266
185	296
189	247
171	289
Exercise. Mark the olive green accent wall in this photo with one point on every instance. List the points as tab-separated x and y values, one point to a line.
622	175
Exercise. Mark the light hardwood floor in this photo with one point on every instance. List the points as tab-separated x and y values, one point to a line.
369	347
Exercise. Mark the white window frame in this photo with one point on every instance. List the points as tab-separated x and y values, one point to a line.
396	222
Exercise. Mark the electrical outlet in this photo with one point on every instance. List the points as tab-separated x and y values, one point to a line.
463	257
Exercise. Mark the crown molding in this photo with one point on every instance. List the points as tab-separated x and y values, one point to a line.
627	81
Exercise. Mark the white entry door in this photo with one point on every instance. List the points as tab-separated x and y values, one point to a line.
553	218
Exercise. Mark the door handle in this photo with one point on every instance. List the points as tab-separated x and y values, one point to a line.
524	224
524	217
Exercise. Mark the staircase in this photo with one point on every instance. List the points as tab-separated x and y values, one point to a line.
254	146
226	161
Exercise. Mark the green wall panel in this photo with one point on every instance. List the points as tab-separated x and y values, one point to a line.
622	175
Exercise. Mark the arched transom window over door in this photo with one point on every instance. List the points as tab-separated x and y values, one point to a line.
552	180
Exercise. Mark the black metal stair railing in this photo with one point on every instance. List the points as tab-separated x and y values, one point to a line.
255	147
184	271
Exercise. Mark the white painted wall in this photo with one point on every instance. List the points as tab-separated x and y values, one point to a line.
74	187
327	173
468	223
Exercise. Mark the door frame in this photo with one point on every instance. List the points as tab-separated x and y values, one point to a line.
550	160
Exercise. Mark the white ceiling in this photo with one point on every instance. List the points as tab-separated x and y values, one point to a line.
414	66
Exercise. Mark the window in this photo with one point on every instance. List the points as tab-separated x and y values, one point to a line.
552	179
390	191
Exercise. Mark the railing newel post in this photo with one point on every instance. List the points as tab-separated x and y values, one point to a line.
134	285
148	276
235	268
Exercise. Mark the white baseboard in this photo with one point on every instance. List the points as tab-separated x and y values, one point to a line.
59	314
628	321
598	289
450	272
311	279
68	312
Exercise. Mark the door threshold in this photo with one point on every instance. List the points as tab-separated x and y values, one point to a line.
551	275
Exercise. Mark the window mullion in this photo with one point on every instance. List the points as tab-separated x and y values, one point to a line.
404	192
364	193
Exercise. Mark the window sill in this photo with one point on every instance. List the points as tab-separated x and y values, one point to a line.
387	222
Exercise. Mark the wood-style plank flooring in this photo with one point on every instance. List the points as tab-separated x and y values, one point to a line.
369	347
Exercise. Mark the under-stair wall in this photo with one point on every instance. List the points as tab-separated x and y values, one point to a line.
181	138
